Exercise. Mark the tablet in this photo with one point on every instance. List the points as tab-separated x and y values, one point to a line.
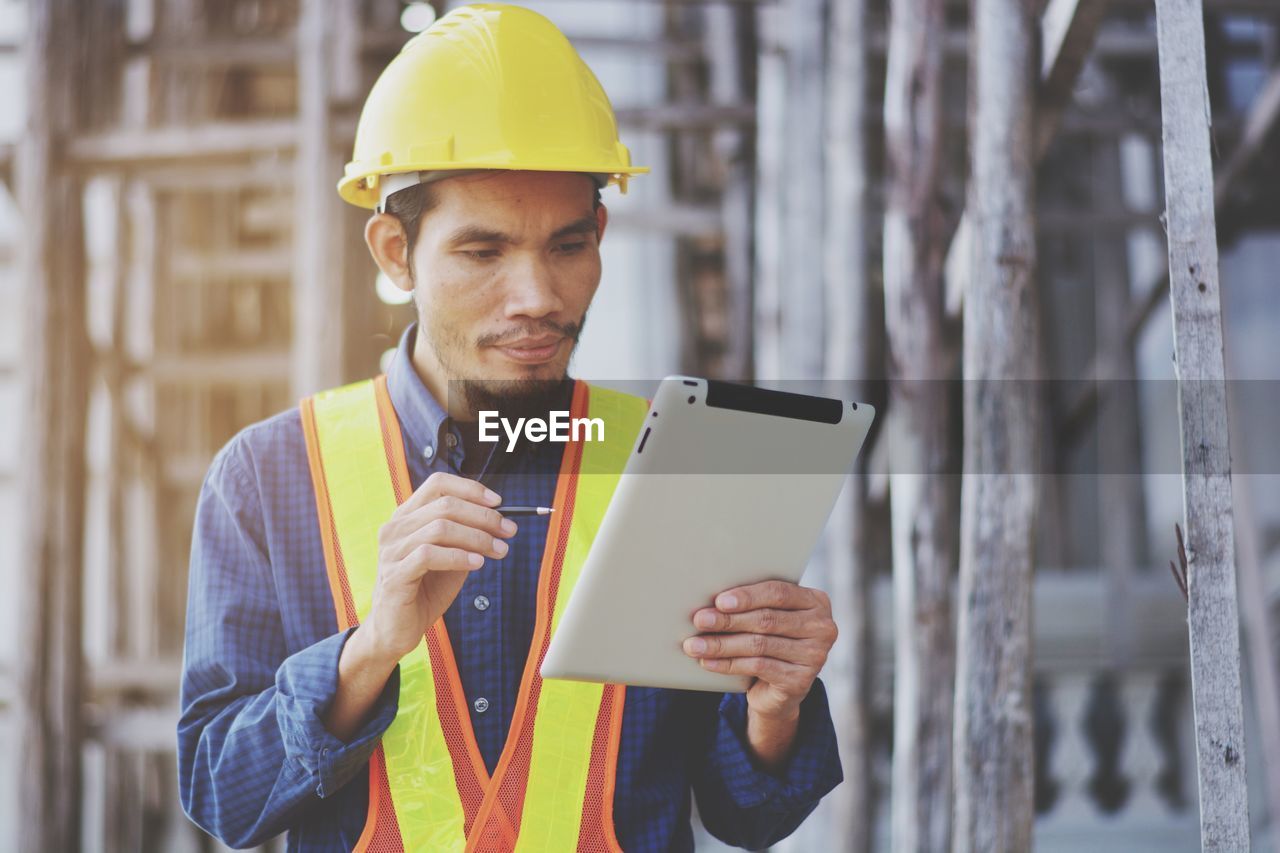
726	485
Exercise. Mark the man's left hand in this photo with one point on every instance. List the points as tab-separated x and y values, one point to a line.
778	633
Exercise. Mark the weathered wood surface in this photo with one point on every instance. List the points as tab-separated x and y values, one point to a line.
994	804
1067	32
851	807
1202	403
54	378
924	515
318	330
771	98
803	312
727	43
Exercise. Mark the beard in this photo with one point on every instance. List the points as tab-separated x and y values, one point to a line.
511	398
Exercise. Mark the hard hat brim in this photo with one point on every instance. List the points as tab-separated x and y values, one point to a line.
360	186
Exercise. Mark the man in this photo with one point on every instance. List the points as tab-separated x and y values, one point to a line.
364	628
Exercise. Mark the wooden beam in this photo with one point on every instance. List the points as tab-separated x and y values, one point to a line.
730	49
1067	32
924	517
994	779
55	372
803	311
1202	405
242	367
319	338
848	538
140	148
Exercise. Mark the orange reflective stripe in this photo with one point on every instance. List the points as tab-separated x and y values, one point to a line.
596	832
469	771
344	608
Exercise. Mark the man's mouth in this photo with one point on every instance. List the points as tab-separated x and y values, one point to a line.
532	350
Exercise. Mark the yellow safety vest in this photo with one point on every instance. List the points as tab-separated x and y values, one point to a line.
428	786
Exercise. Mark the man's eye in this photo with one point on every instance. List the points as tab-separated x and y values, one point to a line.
572	247
481	254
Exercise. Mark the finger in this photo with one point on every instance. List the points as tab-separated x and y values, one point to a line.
802	652
448	533
769	670
777	594
766	620
437	558
462	511
443	483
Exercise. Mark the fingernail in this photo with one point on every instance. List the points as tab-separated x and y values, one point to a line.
508	526
492	497
703	619
697	645
475	560
500	547
727	602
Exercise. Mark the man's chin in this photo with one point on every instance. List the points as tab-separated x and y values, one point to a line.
513	397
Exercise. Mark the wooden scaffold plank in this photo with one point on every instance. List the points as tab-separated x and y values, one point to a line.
924	518
994	781
52	468
1214	625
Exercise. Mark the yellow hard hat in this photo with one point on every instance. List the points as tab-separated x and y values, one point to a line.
487	86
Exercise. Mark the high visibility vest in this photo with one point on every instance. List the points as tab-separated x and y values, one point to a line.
429	790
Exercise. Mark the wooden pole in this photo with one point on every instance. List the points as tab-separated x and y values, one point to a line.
994	804
923	512
728	43
848	672
1206	460
771	107
52	467
802	288
318	330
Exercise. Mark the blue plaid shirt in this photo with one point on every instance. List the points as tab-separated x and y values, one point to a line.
260	666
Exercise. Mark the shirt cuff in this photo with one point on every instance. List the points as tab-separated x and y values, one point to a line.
812	770
306	685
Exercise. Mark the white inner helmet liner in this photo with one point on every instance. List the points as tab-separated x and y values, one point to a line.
389	185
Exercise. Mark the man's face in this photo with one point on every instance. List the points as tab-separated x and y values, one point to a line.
504	269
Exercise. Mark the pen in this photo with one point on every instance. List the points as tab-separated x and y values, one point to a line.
525	510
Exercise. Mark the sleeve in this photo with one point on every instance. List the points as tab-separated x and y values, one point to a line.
252	750
746	806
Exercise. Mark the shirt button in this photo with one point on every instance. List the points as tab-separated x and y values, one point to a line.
428	451
481	705
451	439
481	603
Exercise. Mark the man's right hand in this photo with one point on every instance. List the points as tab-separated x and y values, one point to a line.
425	550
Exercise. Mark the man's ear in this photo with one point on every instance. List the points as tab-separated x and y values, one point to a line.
602	221
385	237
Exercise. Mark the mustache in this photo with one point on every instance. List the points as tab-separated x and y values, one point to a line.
567	330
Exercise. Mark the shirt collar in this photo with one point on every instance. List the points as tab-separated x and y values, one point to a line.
422	418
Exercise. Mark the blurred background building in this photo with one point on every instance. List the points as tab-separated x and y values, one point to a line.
223	279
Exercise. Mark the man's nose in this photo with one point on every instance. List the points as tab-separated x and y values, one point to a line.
532	289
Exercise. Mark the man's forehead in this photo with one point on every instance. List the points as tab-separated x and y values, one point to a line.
516	185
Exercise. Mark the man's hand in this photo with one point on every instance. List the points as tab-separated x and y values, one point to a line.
425	550
778	633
